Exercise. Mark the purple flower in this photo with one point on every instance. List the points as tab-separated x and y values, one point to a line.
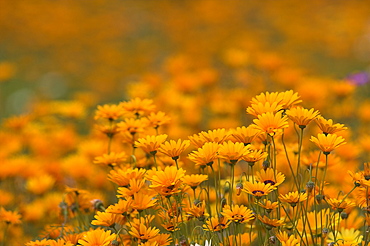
359	78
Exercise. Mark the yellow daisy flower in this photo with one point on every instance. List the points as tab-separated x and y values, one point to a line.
328	143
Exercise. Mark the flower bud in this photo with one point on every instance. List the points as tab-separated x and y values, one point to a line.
239	188
310	185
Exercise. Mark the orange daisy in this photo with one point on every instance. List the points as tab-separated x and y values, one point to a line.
218	135
143	201
110	112
328	143
144	233
196	210
301	116
194	180
245	134
173	149
138	107
254	155
257	189
112	159
205	155
289	98
9	217
268	205
260	108
97	237
216	224
168	181
293	198
233	152
237	214
108	219
270	223
122	176
267	97
328	127
150	144
132	126
271	123
158	119
123	207
270	176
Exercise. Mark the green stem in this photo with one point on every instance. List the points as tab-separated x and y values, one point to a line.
216	189
290	164
299	158
232	184
5	233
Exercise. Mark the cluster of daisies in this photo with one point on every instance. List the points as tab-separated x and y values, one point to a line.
267	183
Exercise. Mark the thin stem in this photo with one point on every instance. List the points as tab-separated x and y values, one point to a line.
232	184
299	157
4	235
290	165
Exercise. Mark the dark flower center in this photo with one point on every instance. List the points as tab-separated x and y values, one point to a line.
260	191
269	182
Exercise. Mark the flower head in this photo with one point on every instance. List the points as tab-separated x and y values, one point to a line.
238	214
340	204
132	126
245	134
168	181
158	119
216	224
254	155
9	217
258	189
218	135
108	219
260	108
270	223
271	123
144	233
270	176
301	116
233	152
194	180
173	149
328	127
268	205
205	155
293	198
327	143
150	144
109	111
97	237
138	107
122	176
112	159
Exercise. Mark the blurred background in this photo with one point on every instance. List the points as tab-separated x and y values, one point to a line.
111	51
201	62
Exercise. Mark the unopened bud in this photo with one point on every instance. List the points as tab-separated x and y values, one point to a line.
98	204
319	198
272	240
325	232
266	164
310	185
223	202
197	202
344	215
239	187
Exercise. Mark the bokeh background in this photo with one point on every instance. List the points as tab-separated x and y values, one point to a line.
55	49
201	62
